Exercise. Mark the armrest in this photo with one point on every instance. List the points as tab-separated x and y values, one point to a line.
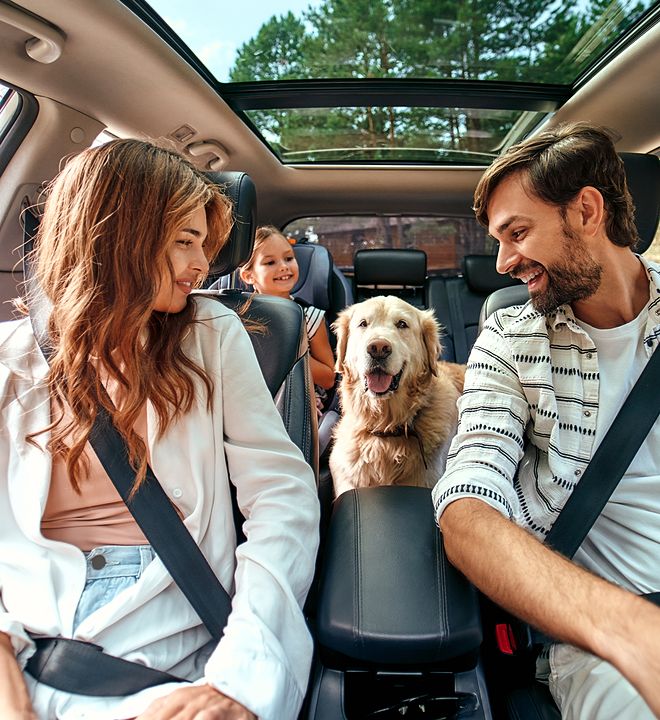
388	593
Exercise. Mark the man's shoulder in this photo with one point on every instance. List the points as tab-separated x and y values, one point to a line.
516	318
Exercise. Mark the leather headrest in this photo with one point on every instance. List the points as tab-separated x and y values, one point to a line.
239	188
481	275
315	275
389	267
643	178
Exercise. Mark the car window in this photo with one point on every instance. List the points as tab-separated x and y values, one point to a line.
10	104
444	239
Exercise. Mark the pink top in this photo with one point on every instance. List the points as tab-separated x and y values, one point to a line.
96	517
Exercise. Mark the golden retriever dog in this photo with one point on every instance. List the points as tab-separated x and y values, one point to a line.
398	400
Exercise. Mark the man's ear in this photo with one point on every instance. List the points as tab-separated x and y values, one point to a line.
591	207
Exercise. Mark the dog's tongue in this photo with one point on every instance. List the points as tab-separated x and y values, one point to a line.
379	381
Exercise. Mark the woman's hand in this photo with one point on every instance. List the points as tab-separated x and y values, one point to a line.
197	702
14	699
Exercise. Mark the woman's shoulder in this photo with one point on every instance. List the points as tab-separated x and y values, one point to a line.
209	309
19	352
16	334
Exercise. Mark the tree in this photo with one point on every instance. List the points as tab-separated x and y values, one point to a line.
512	40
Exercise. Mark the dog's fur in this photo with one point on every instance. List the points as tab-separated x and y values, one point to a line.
399	387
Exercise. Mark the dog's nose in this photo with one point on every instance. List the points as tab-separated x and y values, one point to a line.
379	349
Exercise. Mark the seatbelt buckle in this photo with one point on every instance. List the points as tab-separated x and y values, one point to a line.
514	638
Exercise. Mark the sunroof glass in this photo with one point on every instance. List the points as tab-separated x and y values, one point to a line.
527	46
385	134
520	40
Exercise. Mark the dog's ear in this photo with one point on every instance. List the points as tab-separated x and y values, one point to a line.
431	335
340	327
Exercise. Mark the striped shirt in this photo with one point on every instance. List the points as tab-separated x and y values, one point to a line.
313	318
528	414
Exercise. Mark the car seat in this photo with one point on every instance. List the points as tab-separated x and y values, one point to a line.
400	272
282	348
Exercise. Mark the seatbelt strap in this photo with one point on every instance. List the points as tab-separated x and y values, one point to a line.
458	322
156	516
150	506
609	463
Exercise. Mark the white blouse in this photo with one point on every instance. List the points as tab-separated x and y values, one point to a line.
264	657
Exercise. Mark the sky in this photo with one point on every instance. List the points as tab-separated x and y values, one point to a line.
215	29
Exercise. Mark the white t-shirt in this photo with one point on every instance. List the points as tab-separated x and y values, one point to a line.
624	544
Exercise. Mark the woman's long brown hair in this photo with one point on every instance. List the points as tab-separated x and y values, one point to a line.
100	253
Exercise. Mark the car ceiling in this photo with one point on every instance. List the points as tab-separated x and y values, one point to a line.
115	72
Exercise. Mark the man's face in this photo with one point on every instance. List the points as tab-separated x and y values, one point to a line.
540	246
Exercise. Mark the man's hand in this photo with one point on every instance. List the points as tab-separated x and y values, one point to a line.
197	702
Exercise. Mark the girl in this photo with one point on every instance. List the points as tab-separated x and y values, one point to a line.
272	269
127	233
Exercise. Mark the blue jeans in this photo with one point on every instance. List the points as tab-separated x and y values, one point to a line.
110	569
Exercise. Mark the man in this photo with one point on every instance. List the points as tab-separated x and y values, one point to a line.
543	384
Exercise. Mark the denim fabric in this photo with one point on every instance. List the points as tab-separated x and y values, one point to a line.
124	564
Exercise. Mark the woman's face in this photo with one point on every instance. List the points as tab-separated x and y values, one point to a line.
274	270
189	263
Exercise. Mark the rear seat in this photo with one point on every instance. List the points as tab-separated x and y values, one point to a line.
457	302
400	272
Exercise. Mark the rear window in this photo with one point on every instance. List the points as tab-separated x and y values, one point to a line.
445	240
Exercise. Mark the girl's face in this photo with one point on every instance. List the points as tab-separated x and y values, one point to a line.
274	270
186	254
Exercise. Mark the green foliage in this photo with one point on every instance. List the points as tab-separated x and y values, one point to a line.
512	40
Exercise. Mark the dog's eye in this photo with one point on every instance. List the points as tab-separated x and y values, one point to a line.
401	324
362	323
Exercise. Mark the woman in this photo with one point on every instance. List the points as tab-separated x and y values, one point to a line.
127	233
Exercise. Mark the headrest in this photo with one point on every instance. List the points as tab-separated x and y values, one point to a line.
239	188
389	267
314	284
481	275
502	298
643	177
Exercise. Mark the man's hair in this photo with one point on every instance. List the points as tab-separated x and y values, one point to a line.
557	164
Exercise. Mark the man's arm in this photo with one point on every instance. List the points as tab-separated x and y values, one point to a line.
548	591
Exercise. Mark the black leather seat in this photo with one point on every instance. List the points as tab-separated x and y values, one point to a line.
400	272
282	349
320	282
395	620
457	302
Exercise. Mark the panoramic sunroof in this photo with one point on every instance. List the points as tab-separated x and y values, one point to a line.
385	134
390	81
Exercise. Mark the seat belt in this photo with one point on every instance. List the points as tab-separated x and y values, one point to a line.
458	321
609	463
83	668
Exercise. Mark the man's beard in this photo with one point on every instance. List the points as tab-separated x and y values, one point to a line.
575	278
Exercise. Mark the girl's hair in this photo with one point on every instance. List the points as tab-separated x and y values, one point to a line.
101	250
261	234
